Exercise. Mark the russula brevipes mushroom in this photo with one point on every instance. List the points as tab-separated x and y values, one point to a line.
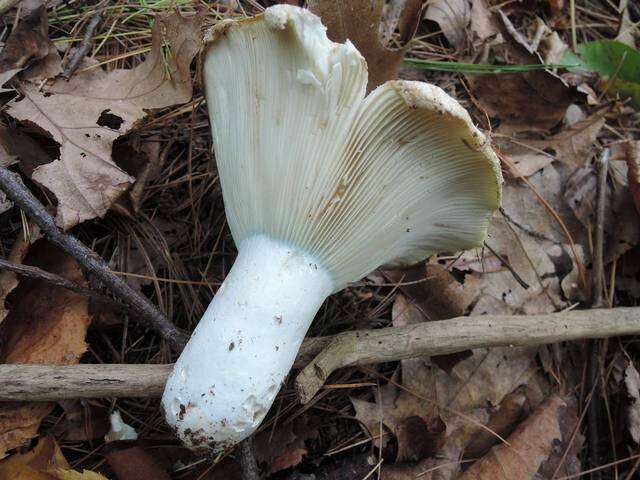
321	185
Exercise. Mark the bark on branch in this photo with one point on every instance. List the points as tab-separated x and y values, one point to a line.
326	354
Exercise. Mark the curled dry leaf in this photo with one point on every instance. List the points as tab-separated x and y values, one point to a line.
359	22
44	462
285	446
453	16
631	154
433	395
434	290
573	146
536	252
483	23
28	44
82	421
46	324
86	115
535	442
530	101
131	462
621	223
9	280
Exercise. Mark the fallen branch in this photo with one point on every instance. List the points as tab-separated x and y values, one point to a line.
57	280
12	185
462	333
52	382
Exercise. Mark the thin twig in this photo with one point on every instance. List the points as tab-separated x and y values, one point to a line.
598	249
364	347
506	264
85	45
57	280
597	302
12	185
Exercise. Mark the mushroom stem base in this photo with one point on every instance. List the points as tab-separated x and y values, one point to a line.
245	344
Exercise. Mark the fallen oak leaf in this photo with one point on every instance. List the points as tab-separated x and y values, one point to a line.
9	280
631	155
534	100
86	115
359	21
131	462
27	44
44	462
46	324
453	16
531	445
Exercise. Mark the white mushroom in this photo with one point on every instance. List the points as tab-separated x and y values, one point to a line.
321	186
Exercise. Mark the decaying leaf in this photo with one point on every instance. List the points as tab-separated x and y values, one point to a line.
536	253
631	155
46	324
44	462
632	383
285	446
529	101
621	223
453	16
431	396
82	421
482	21
436	293
132	462
531	445
359	21
28	44
86	115
9	280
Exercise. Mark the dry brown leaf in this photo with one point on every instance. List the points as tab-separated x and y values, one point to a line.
530	446
46	324
621	223
432	394
285	446
28	44
359	22
82	421
132	462
453	16
436	293
503	421
631	153
86	115
44	462
533	245
529	101
573	146
482	21
9	280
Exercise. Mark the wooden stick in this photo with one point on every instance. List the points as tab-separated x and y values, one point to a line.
12	185
326	354
462	333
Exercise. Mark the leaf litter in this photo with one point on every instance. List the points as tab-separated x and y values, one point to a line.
500	413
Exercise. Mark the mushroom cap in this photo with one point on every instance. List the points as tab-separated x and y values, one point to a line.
355	181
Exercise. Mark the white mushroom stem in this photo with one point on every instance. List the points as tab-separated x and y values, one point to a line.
231	370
